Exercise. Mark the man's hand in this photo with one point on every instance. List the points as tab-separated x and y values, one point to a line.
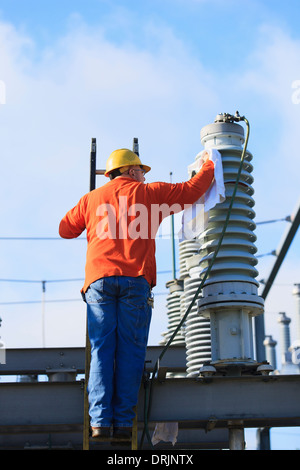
205	157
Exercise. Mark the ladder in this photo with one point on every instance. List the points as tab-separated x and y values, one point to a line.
86	419
103	443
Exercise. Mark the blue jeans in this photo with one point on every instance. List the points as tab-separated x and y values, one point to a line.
119	317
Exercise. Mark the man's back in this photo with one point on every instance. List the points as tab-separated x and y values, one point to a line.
122	218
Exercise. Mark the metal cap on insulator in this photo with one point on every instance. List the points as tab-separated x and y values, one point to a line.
223	132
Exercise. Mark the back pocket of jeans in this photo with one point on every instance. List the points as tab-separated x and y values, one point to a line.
94	293
138	293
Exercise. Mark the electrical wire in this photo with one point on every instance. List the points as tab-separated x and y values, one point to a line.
61	280
149	386
159	236
272	253
43	282
40	238
21	302
24	302
284	219
39	282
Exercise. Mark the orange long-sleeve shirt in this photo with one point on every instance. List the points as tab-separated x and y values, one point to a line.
122	218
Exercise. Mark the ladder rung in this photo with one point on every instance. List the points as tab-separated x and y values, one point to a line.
110	439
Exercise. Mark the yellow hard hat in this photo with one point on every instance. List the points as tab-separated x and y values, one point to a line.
121	159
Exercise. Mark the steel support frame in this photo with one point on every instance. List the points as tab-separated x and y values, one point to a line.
221	402
206	403
40	361
258	400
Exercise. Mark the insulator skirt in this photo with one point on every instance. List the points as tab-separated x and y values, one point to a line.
197	328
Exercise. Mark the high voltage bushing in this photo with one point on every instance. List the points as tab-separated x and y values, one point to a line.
174	316
285	337
195	333
176	297
174	312
296	293
187	248
196	329
229	296
270	345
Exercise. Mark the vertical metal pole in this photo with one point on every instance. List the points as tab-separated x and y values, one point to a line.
263	439
93	165
135	146
173	238
86	419
260	335
43	312
236	436
134	438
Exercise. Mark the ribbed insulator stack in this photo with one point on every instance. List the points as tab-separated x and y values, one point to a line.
230	297
174	312
176	296
285	337
235	261
197	328
187	248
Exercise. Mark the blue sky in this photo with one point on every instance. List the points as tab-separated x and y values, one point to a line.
114	70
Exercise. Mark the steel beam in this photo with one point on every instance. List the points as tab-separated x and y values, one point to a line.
203	407
38	361
256	401
206	403
41	403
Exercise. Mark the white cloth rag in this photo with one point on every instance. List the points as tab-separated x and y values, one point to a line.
166	432
195	217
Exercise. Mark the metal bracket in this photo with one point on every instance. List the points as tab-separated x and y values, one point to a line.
211	424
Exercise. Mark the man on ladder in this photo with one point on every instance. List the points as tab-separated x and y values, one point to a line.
121	219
